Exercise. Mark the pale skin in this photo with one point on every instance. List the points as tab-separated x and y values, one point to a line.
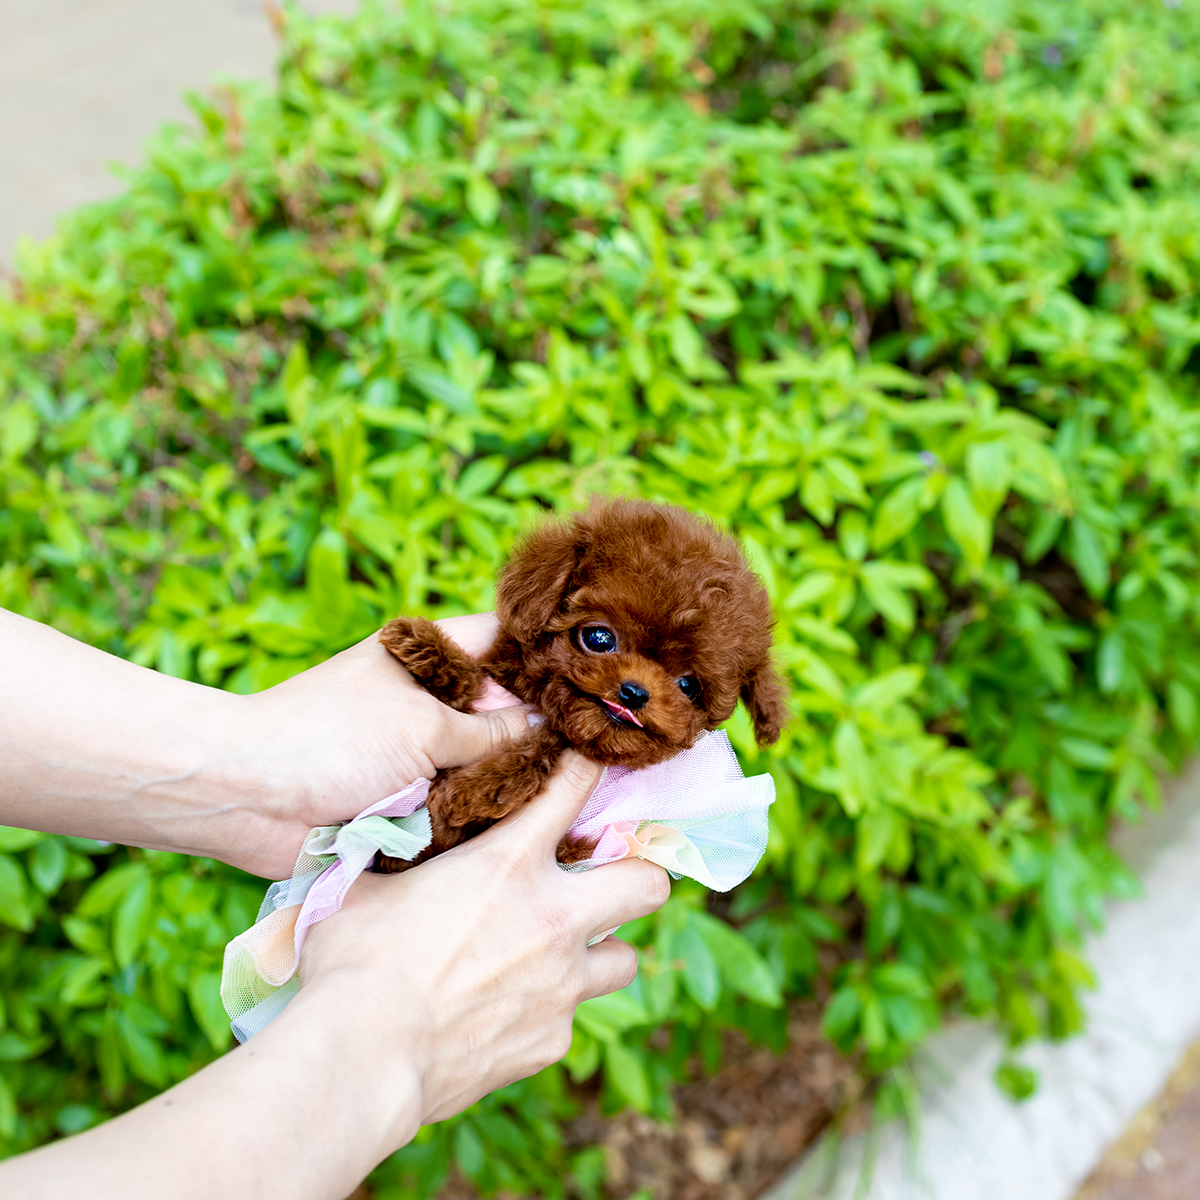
428	990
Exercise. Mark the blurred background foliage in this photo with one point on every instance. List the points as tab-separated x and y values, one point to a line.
904	292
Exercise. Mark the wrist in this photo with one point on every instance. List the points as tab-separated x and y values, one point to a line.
208	790
371	1069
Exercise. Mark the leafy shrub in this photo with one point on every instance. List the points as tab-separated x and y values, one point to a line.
904	292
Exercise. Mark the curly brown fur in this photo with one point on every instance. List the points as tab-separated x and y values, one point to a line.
435	661
675	601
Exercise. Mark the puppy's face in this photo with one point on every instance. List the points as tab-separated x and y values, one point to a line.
639	626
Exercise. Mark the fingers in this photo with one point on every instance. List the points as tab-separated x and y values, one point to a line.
540	825
608	966
466	737
474	634
622	891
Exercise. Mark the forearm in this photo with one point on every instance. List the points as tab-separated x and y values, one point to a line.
94	746
302	1112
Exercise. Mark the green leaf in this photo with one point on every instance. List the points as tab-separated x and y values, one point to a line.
873	837
48	865
899	511
624	1069
583	1058
481	476
8	1110
879	694
605	1016
80	978
989	472
817	496
852	535
853	767
770	487
75	1118
701	976
1085	753
1110	661
204	997
85	936
385	210
15	907
1087	553
1046	528
325	577
14	840
1017	1082
483	199
1181	704
813	587
131	921
742	967
104	895
966	524
140	1051
887	599
468	1150
18	432
839	1022
16	1048
109	1059
687	348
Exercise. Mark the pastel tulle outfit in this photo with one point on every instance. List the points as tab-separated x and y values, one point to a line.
696	815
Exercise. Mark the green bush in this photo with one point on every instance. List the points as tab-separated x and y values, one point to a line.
904	292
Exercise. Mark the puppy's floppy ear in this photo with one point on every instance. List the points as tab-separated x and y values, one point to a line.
765	698
538	576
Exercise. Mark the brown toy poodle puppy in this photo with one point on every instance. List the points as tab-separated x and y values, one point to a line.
633	627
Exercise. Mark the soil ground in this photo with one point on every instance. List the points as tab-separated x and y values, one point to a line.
736	1131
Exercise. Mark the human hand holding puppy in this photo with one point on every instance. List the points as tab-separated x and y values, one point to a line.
424	993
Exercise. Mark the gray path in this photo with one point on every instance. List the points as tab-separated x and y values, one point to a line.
84	82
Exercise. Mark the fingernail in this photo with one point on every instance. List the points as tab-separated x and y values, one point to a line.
535	719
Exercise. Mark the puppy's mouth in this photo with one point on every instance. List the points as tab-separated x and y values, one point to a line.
619	714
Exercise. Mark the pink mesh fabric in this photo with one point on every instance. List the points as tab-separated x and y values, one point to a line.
695	815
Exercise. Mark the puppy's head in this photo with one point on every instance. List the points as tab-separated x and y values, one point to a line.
637	626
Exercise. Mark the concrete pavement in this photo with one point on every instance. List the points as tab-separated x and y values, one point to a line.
83	83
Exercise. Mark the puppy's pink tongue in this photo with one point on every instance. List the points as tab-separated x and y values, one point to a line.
621	711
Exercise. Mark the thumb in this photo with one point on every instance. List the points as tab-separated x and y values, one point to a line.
545	820
467	737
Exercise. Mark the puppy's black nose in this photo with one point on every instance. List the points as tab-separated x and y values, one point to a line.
633	695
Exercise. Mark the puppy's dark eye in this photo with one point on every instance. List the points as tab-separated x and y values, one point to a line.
597	639
689	685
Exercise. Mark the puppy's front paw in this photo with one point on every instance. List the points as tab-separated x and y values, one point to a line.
438	664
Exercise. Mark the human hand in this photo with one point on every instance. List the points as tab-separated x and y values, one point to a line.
348	732
428	990
94	746
463	974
